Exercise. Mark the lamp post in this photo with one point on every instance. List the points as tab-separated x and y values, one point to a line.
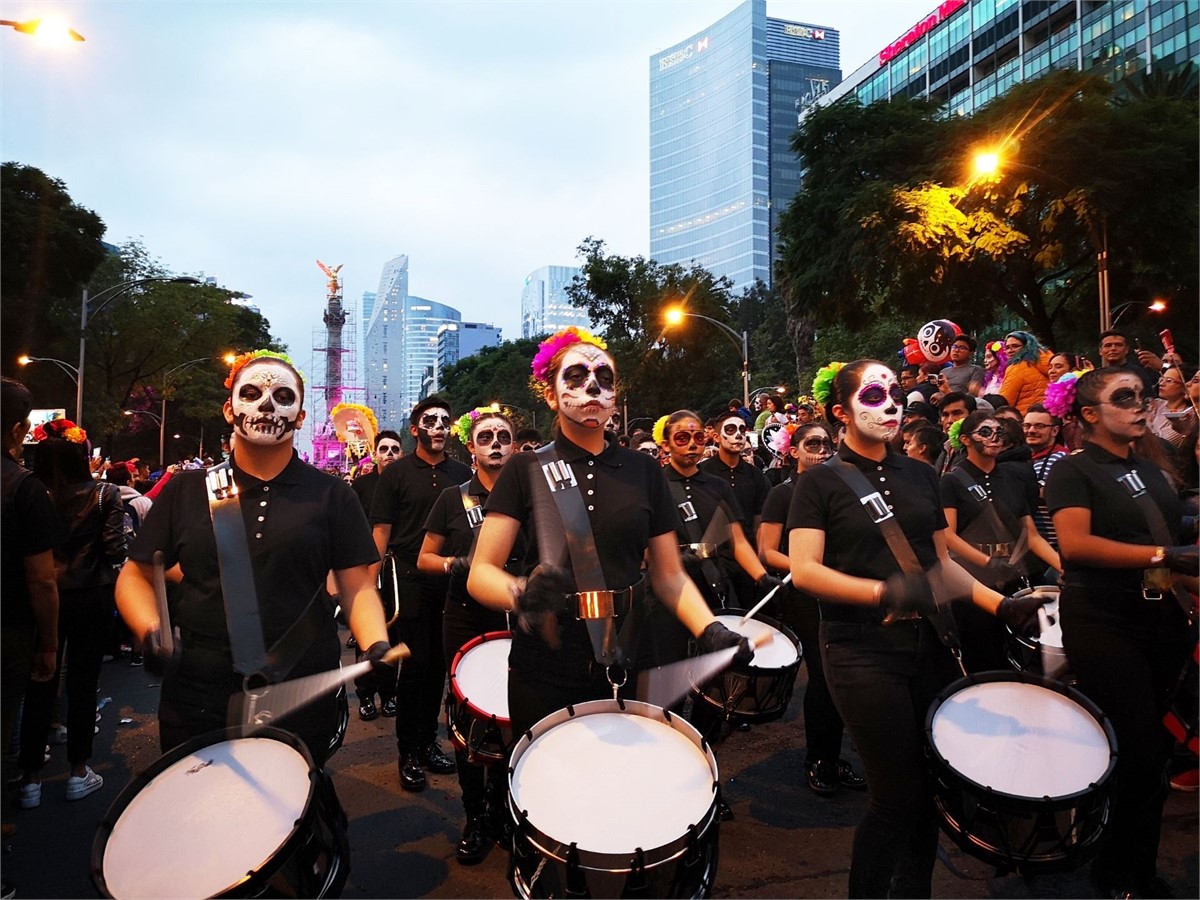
1157	306
741	341
162	419
47	29
102	300
71	371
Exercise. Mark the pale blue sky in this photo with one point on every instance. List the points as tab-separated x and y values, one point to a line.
483	139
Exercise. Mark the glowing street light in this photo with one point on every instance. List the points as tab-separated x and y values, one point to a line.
675	316
1158	306
49	30
71	371
986	163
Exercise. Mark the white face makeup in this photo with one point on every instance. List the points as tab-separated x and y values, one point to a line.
387	452
812	449
585	386
1123	410
731	434
987	439
491	443
266	404
432	428
877	407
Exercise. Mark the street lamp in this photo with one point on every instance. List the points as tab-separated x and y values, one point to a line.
71	371
49	29
988	163
1156	307
675	315
102	300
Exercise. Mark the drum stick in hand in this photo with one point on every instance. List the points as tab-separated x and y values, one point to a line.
787	579
666	685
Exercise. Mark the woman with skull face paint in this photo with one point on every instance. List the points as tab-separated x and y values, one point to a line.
1123	631
883	660
300	524
631	516
450	533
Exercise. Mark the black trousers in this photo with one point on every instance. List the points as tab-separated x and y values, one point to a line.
1127	653
822	723
883	680
422	681
482	786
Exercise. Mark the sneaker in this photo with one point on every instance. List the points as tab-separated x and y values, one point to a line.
1186	781
79	786
31	795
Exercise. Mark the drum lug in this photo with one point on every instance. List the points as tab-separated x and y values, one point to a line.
636	884
576	880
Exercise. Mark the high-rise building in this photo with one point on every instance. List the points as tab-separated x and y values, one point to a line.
457	341
723	106
400	344
545	306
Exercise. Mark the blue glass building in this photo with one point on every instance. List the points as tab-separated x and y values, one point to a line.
723	105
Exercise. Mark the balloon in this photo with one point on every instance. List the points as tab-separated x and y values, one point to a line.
911	353
935	339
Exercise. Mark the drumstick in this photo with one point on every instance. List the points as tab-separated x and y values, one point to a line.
665	685
277	700
787	579
166	639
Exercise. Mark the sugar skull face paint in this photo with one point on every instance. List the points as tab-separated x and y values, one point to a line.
432	428
267	403
877	407
491	443
586	386
731	434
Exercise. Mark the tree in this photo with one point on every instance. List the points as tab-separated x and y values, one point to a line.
497	374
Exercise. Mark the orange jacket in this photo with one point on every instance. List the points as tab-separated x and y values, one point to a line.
1025	384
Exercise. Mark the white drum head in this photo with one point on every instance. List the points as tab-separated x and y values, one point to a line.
1021	739
613	782
777	653
482	676
204	822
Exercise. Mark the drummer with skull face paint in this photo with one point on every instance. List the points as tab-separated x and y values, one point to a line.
299	523
627	508
883	659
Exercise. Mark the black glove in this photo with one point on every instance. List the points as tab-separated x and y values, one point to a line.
905	592
546	590
767	583
380	667
1183	559
460	567
998	572
717	637
1019	612
156	659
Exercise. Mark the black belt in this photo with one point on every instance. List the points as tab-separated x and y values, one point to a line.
702	550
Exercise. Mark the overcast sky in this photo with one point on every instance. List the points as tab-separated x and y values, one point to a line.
246	140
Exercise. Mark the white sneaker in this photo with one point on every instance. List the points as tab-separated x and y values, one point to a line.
31	795
79	787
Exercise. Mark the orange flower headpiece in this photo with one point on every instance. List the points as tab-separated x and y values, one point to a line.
240	363
60	428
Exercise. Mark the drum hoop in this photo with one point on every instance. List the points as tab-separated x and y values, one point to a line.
614	862
1026	642
1061	801
461	698
142	779
783	629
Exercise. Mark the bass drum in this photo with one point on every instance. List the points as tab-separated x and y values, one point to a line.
225	816
613	798
1022	769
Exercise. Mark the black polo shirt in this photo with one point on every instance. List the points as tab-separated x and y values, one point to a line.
854	544
30	525
1004	485
707	493
775	510
364	487
1115	514
406	492
750	486
299	526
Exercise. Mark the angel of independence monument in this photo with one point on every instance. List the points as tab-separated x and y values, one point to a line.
335	346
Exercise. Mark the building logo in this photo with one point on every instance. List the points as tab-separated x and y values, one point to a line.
918	31
803	31
683	54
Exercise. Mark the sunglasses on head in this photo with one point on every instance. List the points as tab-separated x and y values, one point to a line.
683	437
987	432
433	420
731	429
877	395
488	436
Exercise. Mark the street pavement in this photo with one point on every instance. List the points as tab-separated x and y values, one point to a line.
784	841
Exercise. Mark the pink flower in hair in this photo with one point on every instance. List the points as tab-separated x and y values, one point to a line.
1060	396
550	347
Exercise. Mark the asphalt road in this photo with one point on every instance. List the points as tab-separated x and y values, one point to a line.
783	842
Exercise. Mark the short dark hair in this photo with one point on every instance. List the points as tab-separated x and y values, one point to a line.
528	434
118	474
966	339
959	397
15	403
913	370
388	433
434	402
931	437
1039	408
1112	332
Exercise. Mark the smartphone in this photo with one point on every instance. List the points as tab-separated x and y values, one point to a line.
1168	341
95	453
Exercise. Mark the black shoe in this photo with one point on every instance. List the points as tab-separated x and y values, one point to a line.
367	710
500	826
436	761
724	811
848	778
475	843
388	708
351	643
412	776
823	778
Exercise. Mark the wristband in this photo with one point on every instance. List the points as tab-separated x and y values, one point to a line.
879	588
1159	557
446	565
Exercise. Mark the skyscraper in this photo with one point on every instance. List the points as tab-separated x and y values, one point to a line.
723	106
457	341
545	306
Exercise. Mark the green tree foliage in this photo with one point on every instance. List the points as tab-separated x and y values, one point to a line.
497	374
891	221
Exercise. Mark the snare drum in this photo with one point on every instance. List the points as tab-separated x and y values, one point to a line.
613	798
477	705
1041	654
1022	769
761	691
225	816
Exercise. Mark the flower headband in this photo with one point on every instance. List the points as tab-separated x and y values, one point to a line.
550	347
1060	396
462	426
822	385
240	363
60	428
659	432
954	435
781	441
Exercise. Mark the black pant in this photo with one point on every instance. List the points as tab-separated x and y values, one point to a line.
883	680
85	620
481	785
1127	653
822	724
422	682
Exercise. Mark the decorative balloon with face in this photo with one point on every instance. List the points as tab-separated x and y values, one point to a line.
266	406
935	339
584	389
911	353
876	407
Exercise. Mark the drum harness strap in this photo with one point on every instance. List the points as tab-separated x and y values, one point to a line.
595	604
474	510
1155	521
696	543
251	659
999	517
875	507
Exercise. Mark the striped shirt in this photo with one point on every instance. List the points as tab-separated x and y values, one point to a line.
1041	516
